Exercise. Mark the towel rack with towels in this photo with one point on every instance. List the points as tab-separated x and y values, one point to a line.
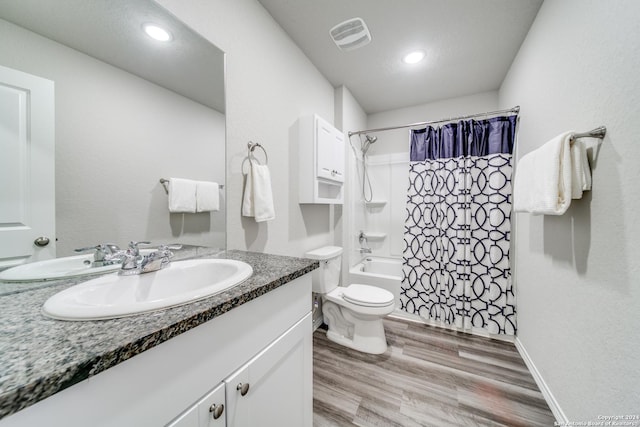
165	184
252	146
548	178
598	132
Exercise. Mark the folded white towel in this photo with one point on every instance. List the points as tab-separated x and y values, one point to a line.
581	171
257	201
182	195
247	198
543	178
207	196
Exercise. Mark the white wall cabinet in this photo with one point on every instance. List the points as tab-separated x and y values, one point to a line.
321	161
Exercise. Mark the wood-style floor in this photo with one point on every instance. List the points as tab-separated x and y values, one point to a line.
428	377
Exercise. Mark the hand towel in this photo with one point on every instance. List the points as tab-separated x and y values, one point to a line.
182	195
580	170
247	198
258	196
207	196
543	178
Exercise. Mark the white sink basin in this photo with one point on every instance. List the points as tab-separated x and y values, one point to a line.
112	296
72	266
78	265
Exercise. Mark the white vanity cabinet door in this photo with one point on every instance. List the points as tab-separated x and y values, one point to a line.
201	414
212	405
188	418
279	391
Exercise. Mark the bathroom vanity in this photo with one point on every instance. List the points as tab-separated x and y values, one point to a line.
239	358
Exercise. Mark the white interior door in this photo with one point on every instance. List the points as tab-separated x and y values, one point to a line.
27	147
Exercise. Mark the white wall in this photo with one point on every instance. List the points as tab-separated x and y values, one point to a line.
578	275
116	136
350	117
270	83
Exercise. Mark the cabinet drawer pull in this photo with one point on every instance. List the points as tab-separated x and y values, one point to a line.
244	388
216	410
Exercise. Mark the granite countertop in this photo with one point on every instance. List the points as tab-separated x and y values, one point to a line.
40	356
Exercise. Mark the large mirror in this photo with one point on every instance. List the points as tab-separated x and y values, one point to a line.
129	110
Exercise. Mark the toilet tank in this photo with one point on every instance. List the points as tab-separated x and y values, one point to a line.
327	277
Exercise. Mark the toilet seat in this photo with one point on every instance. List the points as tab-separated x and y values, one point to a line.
367	296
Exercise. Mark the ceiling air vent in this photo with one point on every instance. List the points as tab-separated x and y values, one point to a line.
350	34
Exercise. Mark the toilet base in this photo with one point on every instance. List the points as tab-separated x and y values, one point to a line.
378	347
361	333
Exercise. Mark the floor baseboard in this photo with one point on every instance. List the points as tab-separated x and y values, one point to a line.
561	418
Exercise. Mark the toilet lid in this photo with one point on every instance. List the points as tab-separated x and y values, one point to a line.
367	295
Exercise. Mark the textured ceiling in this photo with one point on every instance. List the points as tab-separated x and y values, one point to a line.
111	31
470	45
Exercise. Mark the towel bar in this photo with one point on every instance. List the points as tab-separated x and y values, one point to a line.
165	183
598	132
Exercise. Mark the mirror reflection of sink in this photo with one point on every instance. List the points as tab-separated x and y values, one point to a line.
113	296
58	268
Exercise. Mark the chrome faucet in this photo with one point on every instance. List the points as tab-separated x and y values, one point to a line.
104	254
134	263
364	248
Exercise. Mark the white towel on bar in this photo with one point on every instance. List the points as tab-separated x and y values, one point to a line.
543	178
207	196
258	196
581	171
182	195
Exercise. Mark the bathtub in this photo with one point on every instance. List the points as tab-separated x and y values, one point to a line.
385	273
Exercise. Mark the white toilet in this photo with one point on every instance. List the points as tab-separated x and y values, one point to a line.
353	313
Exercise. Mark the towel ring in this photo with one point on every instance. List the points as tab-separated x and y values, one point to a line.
252	146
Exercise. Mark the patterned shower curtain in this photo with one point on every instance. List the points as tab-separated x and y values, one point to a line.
458	226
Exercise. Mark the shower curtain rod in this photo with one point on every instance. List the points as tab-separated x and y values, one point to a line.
515	110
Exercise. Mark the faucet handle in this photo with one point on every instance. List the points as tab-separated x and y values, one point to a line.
133	247
156	260
165	250
129	263
99	251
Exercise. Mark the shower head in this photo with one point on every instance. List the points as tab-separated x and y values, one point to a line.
368	140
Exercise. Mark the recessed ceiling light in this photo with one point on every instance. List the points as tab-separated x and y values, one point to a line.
414	57
157	33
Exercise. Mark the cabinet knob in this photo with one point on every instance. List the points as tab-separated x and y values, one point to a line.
216	410
244	388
